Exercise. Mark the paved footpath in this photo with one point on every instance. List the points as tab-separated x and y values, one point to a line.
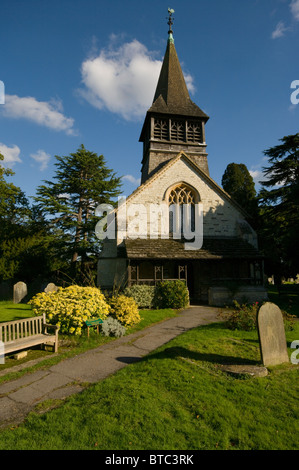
70	376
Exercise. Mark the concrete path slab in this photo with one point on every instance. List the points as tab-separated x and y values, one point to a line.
19	397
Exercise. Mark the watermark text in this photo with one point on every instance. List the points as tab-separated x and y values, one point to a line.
132	221
2	92
294	358
295	94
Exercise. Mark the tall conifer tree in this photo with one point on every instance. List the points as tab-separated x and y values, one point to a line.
279	200
239	184
82	182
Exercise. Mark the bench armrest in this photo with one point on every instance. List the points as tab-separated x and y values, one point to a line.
56	328
48	325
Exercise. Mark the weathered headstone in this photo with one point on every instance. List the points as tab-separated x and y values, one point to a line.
51	287
272	337
271	280
19	292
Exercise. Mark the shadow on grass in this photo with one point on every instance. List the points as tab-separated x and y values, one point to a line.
174	352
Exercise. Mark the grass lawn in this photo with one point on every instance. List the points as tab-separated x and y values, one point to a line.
10	311
176	398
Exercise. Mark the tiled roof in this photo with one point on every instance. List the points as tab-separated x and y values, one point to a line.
213	248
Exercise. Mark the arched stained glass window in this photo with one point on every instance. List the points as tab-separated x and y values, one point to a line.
181	194
182	200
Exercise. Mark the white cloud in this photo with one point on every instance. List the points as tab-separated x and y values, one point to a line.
295	9
41	157
279	30
257	175
11	154
189	83
132	179
256	171
44	113
122	80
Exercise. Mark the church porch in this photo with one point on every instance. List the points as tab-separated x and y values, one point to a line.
212	277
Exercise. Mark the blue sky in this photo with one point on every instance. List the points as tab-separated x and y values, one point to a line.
85	72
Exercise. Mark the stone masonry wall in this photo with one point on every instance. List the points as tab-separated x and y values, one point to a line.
220	215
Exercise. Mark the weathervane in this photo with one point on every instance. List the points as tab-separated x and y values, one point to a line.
170	19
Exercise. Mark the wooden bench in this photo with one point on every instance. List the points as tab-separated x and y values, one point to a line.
28	332
94	322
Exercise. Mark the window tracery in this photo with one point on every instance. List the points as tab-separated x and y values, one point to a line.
182	200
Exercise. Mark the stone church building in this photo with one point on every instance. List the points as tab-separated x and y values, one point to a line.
175	174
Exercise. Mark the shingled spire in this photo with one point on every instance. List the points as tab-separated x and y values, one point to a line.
173	123
172	95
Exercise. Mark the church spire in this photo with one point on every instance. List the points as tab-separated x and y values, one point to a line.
173	123
172	95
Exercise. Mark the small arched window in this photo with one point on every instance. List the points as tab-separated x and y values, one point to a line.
182	200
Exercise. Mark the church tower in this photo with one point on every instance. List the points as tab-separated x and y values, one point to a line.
210	246
173	123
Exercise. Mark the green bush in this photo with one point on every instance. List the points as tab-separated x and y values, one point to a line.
244	317
142	294
125	310
70	307
171	294
241	317
112	327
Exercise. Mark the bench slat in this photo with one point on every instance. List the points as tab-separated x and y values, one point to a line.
21	328
28	342
27	332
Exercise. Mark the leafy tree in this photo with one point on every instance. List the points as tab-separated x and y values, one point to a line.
14	206
239	184
28	258
280	206
26	246
82	182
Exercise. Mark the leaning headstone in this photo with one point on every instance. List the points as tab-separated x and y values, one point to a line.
272	337
51	287
19	292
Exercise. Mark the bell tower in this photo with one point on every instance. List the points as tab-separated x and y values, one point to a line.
173	123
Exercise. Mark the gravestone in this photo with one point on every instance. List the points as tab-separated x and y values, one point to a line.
19	292
51	287
272	337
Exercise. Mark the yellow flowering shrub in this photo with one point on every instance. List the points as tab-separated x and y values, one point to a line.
125	310
70	307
